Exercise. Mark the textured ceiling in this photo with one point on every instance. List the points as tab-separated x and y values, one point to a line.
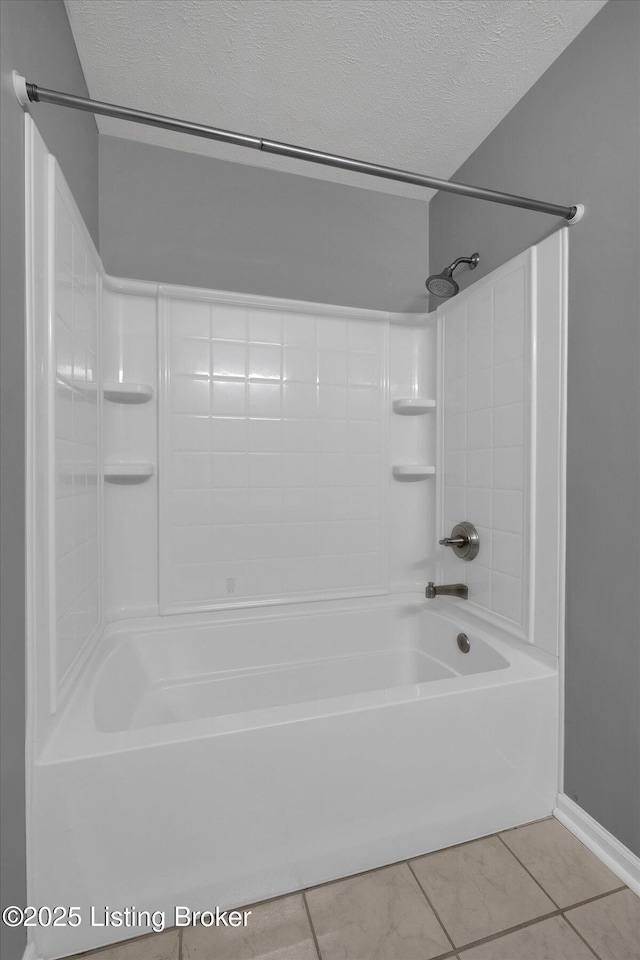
416	84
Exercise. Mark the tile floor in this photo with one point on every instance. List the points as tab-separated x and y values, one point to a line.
531	893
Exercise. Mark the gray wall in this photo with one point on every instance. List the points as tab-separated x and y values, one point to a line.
182	218
37	42
574	137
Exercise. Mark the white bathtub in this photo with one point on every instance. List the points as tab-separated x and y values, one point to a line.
224	760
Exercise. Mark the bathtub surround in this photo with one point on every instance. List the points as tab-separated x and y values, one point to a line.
502	381
274	463
276	426
35	36
130	356
75	431
578	129
64	513
279	451
486	408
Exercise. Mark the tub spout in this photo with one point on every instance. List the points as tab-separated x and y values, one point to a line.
460	590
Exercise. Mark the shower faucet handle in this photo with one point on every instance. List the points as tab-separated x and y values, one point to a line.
464	541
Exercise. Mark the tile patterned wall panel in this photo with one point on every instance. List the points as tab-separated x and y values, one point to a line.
130	434
76	280
274	469
485	437
412	439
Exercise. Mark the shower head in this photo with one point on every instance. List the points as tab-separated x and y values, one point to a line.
442	284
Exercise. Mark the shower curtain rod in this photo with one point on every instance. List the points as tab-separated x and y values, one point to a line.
31	92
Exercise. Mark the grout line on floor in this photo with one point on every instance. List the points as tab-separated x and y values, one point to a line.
397	863
569	906
503	933
547	916
465	843
599	896
313	929
385	866
437	915
526	869
279	896
585	941
352	876
449	955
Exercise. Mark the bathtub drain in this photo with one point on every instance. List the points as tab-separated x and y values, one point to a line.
464	643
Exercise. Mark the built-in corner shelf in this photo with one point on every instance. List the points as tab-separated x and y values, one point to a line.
412	471
127	392
412	406
127	472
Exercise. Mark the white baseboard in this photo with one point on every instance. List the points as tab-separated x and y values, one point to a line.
618	858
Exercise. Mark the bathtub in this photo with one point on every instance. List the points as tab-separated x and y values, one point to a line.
224	759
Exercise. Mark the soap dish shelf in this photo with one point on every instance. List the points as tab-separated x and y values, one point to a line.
412	471
128	473
413	406
127	392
